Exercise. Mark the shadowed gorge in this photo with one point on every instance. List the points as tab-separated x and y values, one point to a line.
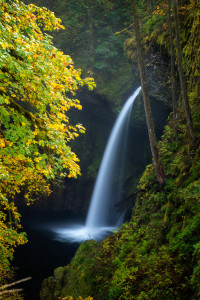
103	216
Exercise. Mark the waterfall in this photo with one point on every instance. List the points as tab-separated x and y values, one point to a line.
102	216
101	211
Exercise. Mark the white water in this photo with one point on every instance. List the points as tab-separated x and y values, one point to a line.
100	210
102	217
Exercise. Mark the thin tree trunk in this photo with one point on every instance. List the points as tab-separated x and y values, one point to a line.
181	72
147	107
90	30
172	71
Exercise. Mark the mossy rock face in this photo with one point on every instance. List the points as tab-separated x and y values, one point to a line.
52	286
58	273
72	279
156	254
47	289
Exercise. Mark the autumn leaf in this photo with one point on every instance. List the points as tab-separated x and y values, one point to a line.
36	82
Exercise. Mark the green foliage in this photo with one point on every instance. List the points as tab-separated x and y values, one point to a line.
89	39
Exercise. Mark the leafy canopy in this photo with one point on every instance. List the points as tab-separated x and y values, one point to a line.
36	83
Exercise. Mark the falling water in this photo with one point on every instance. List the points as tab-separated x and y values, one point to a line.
102	216
101	207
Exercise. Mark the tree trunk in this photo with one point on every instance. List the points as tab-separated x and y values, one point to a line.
147	107
181	73
172	71
90	31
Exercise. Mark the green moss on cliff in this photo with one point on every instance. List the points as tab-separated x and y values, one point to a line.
73	279
156	255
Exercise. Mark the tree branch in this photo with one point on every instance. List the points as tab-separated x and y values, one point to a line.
10	291
124	30
28	115
14	283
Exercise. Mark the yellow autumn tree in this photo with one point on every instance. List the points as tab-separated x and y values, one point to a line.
38	84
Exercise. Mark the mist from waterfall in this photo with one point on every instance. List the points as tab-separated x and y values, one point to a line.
103	216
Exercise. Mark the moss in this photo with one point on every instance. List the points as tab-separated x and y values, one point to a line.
156	254
72	280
